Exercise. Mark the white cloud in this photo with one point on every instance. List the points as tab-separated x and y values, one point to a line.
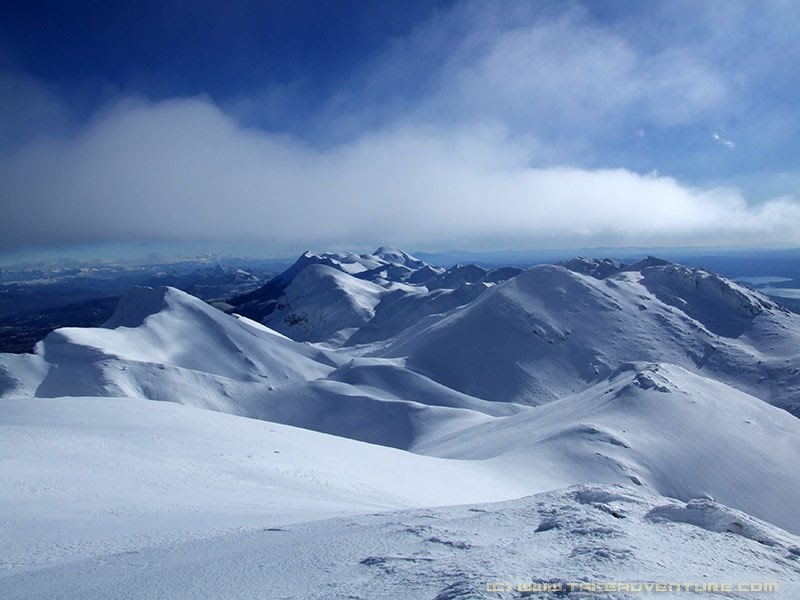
472	128
184	169
563	77
727	143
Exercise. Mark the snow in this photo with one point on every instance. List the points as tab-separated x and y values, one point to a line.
321	302
167	326
550	332
87	477
589	534
623	423
597	268
657	426
351	299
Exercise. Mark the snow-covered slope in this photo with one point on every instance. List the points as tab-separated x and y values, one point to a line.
550	332
547	546
162	344
84	477
167	326
652	376
652	425
348	299
323	303
385	264
401	308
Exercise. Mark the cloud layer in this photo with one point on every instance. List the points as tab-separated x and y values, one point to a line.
513	128
183	169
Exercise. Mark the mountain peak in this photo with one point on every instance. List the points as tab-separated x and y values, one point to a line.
396	256
648	261
138	304
599	268
387	250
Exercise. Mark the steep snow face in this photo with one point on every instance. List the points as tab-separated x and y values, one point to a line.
142	302
262	302
653	425
323	303
168	327
162	343
723	306
550	332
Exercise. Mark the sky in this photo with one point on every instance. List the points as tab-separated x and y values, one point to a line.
288	125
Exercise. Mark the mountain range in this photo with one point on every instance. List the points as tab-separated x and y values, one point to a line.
623	415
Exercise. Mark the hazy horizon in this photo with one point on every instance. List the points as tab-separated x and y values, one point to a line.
145	253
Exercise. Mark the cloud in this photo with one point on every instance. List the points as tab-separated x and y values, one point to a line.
575	74
727	143
507	125
183	169
563	76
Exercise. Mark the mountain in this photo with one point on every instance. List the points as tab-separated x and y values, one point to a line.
658	426
324	303
569	339
552	331
263	301
35	301
619	419
599	268
349	299
162	344
168	330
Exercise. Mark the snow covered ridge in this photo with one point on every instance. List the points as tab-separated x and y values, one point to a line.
550	332
147	500
335	298
379	383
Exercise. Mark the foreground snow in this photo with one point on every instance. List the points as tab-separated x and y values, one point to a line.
129	498
657	426
587	535
87	477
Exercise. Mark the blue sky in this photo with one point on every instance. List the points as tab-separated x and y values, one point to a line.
431	125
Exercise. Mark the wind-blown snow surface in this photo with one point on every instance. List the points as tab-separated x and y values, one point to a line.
127	498
88	477
588	534
424	388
